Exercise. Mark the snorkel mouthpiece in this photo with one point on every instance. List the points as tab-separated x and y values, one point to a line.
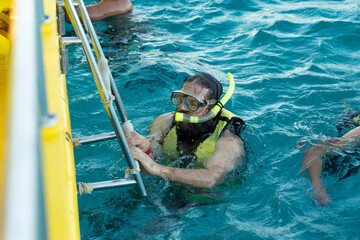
181	117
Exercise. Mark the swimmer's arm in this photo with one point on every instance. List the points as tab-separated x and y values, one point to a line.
313	162
157	130
348	141
354	135
229	154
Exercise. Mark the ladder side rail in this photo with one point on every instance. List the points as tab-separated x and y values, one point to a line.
100	54
126	149
105	97
90	29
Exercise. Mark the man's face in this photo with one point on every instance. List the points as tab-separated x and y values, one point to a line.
198	92
194	129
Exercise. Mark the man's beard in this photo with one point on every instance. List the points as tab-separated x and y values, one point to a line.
190	132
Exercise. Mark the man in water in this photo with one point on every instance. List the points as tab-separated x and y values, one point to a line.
204	151
314	158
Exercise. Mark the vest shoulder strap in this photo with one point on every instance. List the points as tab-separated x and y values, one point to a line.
232	122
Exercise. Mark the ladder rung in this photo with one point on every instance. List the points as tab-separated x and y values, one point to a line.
70	41
111	184
64	43
83	188
93	139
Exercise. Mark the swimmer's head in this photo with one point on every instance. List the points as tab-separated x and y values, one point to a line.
196	98
200	86
206	81
198	95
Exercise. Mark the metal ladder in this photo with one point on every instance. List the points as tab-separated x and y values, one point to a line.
107	95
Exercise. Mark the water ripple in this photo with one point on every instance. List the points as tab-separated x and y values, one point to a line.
296	67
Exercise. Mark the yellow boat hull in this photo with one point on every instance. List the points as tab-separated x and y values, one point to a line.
61	209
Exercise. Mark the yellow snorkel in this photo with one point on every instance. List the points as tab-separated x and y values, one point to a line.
181	117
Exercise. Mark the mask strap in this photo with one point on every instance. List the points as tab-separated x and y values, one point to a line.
220	105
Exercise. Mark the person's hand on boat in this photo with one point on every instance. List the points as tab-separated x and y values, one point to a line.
134	139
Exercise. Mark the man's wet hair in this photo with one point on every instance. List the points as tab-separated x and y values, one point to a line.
207	81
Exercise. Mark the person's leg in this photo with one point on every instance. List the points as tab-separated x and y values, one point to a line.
108	8
105	8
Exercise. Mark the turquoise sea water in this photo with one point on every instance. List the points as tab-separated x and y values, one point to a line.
296	67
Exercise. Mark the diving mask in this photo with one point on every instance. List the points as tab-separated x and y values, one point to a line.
178	98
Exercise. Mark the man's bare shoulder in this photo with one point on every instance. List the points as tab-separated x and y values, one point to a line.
162	123
169	116
229	138
165	119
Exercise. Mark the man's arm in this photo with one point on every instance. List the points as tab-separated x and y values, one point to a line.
313	162
229	154
158	129
354	132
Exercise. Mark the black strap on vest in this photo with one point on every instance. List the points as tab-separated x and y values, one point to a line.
236	125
